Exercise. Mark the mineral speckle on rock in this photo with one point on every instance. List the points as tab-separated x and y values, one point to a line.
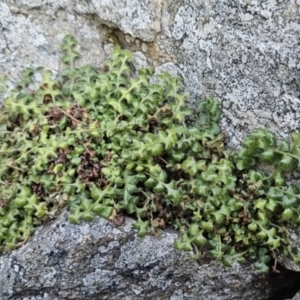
99	261
245	53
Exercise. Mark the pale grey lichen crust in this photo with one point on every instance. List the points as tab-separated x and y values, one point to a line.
245	53
100	261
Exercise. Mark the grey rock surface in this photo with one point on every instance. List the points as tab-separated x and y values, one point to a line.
288	262
31	34
297	296
244	53
101	261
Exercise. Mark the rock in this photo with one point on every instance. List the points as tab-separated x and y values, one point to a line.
288	262
101	261
245	54
297	296
31	34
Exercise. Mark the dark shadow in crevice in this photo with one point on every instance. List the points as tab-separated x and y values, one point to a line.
285	284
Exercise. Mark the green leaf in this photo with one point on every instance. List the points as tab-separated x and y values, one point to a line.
241	164
79	185
32	201
87	216
275	193
262	235
219	217
184	243
194	229
283	145
178	157
225	210
173	193
58	168
150	182
252	226
68	42
287	163
268	156
199	240
98	208
261	267
102	210
170	139
86	203
207	226
41	210
159	188
189	165
296	138
19	202
227	260
106	212
287	214
75	161
271	205
130	166
142	227
209	176
288	200
116	105
96	193
149	138
178	245
186	247
127	154
279	179
293	189
157	149
260	204
196	147
74	217
131	188
162	176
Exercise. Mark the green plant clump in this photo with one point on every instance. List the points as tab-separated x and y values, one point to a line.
112	142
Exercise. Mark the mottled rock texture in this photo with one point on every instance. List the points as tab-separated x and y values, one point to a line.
297	296
99	261
287	262
245	53
31	33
